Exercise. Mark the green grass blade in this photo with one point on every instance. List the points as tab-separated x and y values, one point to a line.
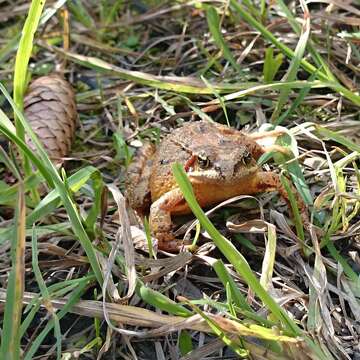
321	64
333	135
6	51
225	278
52	200
230	252
21	144
271	64
251	88
185	342
292	166
267	34
214	24
8	193
44	292
49	172
294	208
172	83
239	10
20	73
23	56
238	261
72	300
160	301
10	340
195	86
56	290
81	14
295	63
298	101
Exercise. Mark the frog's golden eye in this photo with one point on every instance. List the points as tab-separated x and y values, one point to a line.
203	162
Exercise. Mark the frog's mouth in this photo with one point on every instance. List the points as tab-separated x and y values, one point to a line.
212	176
206	175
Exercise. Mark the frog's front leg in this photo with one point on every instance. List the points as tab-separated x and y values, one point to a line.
160	219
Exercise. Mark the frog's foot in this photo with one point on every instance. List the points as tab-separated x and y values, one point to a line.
160	220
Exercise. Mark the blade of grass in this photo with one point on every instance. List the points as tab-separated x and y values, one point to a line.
8	193
160	301
49	172
252	89
20	74
56	290
295	209
44	292
231	253
323	132
23	56
240	10
292	166
72	300
194	86
321	64
271	64
81	14
299	99
253	330
52	200
267	267
7	50
267	34
172	83
219	97
238	261
225	278
10	339
185	342
214	25
295	63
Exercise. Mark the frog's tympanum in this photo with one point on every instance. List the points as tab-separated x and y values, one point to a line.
220	162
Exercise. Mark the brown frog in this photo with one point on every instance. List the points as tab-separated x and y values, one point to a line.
220	162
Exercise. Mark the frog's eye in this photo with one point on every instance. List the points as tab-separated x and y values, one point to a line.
203	162
247	158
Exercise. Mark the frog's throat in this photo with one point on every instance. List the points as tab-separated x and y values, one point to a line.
213	176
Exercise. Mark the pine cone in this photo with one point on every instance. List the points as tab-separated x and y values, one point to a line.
50	108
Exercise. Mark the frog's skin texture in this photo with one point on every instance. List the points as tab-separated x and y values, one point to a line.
220	162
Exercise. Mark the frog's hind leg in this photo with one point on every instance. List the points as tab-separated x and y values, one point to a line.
160	219
138	178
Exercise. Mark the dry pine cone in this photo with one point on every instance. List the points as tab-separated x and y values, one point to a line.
50	109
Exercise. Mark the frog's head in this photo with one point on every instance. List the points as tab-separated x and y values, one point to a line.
222	165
